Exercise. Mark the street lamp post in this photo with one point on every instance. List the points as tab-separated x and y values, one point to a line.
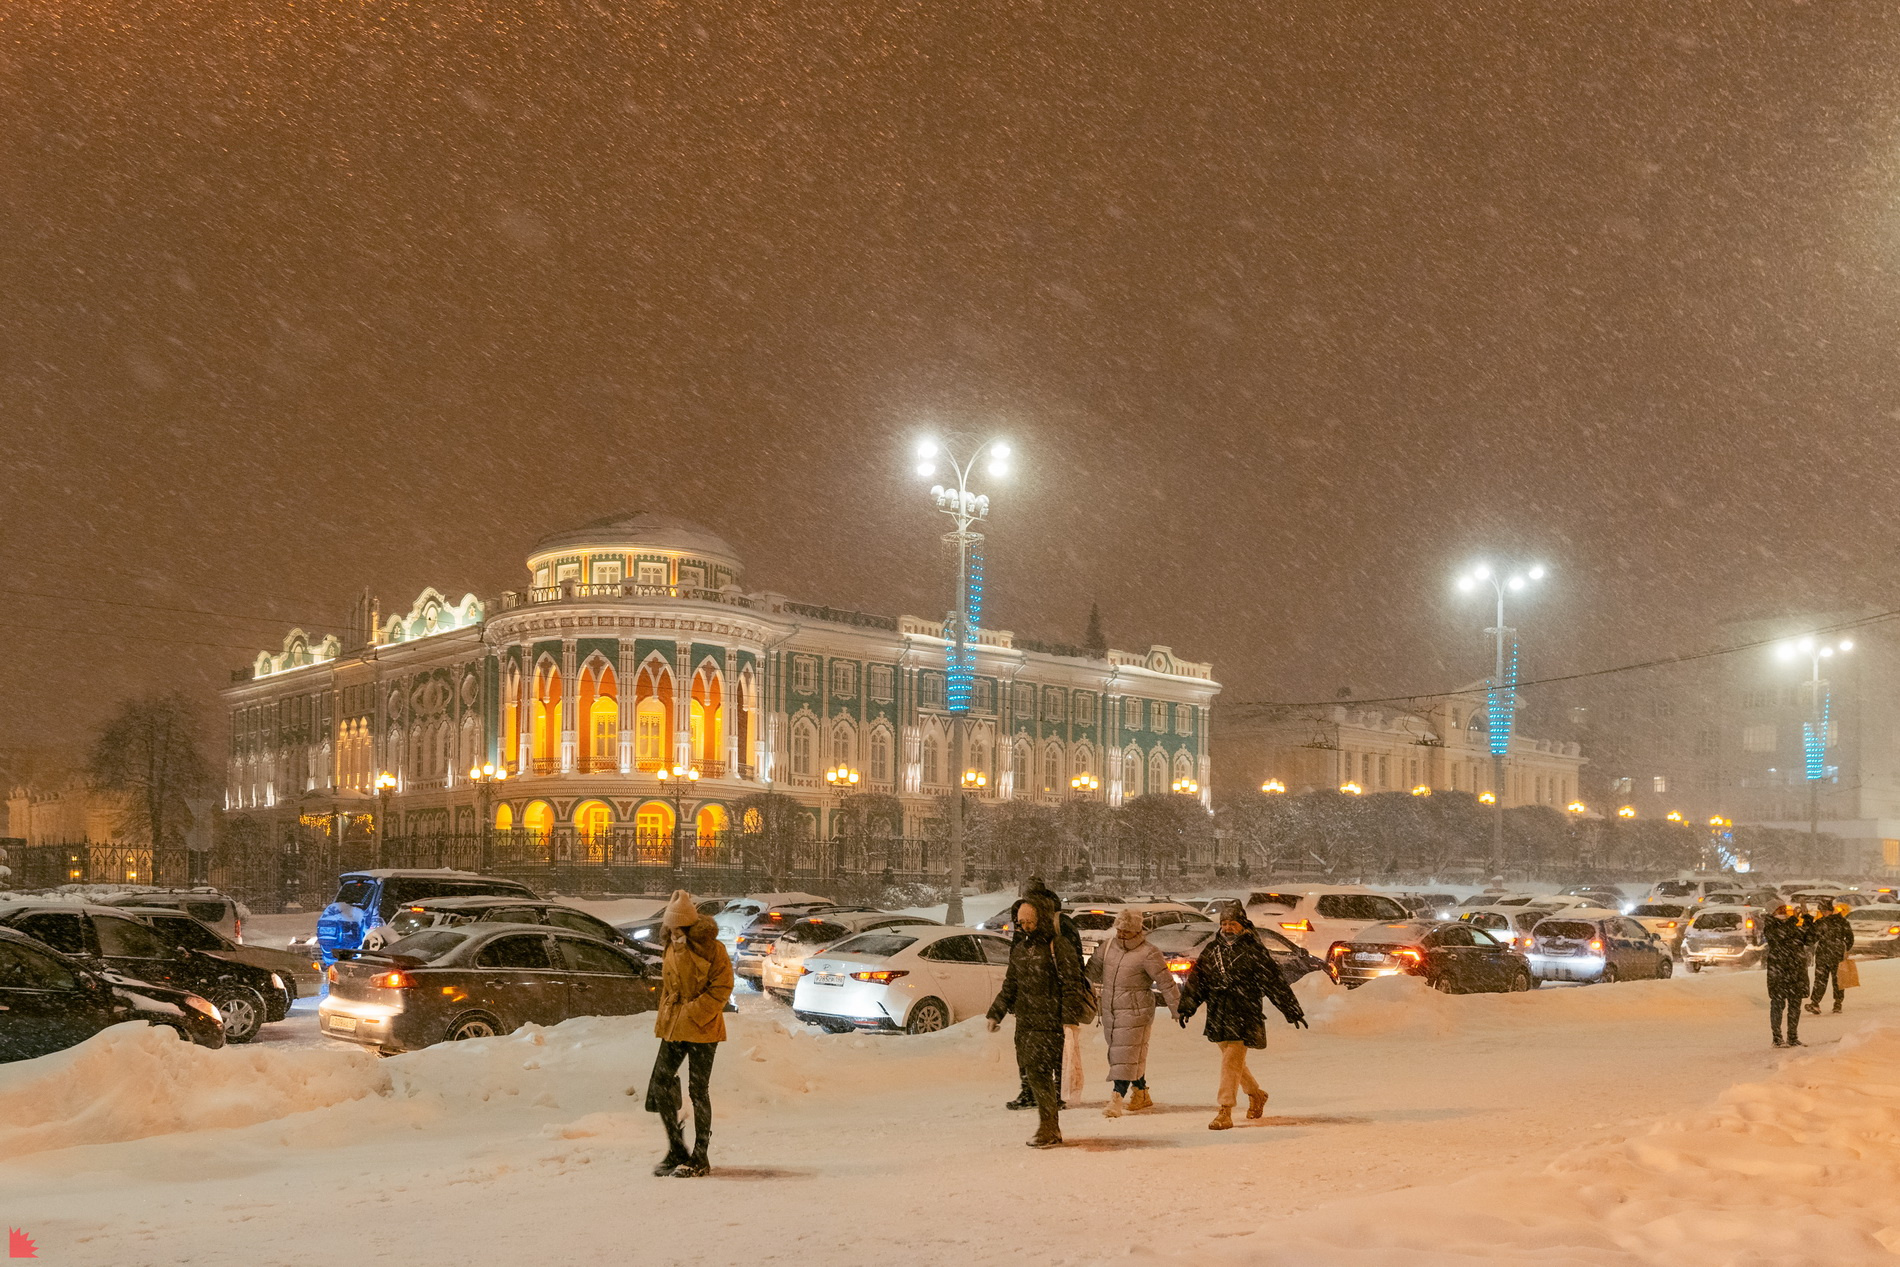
673	785
1502	704
843	780
1084	785
965	508
385	787
1814	730
486	778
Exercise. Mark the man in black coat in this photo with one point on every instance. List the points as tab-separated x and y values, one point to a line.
1787	938
1035	888
1833	938
1232	975
1045	990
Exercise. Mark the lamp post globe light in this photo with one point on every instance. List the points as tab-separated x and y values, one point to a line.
674	784
385	788
1820	702
966	509
842	779
1501	698
486	777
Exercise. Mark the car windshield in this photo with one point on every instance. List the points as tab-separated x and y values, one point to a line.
1093	921
355	891
1719	921
430	944
1179	940
1674	888
1389	934
1658	910
878	945
1367	906
1575	929
1876	915
406	922
815	933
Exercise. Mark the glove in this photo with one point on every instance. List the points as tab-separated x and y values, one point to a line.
1298	1022
994	1024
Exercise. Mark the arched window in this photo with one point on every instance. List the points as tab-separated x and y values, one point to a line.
599	707
547	717
652	715
511	720
1131	774
504	817
1051	768
1081	760
748	706
1019	769
880	756
653	819
1184	766
1157	771
933	762
593	820
710	825
538	818
844	744
708	715
804	749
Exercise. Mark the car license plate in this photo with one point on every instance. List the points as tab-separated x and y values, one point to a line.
1560	950
345	1024
827	979
1367	956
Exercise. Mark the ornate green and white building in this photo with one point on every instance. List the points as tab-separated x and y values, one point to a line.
633	649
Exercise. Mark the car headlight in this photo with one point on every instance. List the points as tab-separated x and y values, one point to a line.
276	981
204	1007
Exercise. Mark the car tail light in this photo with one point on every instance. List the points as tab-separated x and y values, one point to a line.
238	935
882	976
1298	926
803	971
1180	965
1596	944
396	980
330	974
1409	955
1669	923
1893	930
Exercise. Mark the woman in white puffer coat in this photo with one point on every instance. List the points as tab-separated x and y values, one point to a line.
1130	968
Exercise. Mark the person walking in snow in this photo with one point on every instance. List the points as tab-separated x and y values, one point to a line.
1786	937
1071	1035
1232	975
695	982
1044	989
1130	969
1833	938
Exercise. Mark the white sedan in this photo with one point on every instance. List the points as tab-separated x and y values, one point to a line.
912	980
785	964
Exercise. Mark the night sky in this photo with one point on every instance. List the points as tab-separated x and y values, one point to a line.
1288	309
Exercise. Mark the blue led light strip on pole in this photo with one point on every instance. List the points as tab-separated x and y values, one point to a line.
1814	740
963	650
1503	704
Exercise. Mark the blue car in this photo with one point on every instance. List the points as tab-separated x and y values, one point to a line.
370	899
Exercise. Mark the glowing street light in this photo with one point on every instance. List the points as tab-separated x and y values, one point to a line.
965	508
1502	703
1577	807
1820	702
1626	811
1674	816
1084	784
1185	787
1351	789
1273	787
1423	789
486	777
1487	798
674	783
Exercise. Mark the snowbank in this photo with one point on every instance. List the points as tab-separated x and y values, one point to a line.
138	1080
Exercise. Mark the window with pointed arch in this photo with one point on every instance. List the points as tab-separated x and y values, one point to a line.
933	761
1051	768
1131	774
880	756
599	708
1019	769
804	749
547	716
1184	766
652	715
844	744
1157	771
707	717
593	821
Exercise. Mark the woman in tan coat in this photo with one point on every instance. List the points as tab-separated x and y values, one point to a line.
695	982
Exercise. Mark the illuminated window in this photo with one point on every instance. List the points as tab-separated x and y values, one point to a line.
565	572
606	729
653	818
538	818
649	733
607	571
710	824
504	817
1758	738
652	575
593	819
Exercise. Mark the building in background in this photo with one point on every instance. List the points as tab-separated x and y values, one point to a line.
1444	746
632	650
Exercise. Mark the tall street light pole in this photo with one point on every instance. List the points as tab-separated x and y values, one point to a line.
965	509
385	787
1502	701
1814	730
486	777
673	785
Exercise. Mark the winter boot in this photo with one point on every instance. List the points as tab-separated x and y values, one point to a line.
1837	1009
693	1167
1223	1120
1780	1041
676	1155
1023	1101
1812	1009
1048	1135
1140	1101
1116	1107
1256	1103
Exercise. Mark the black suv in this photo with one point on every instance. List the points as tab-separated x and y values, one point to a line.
53	1001
118	942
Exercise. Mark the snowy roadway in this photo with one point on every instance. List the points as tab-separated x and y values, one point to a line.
1646	1122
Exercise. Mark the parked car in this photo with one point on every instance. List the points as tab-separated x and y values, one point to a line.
1689	890
1096	924
206	905
54	1001
1601	896
1511	925
1597	946
118	942
737	912
367	899
1723	937
761	933
478	980
902	980
1093	899
1427	905
810	934
1669	921
302	974
1876	930
494	908
1182	944
1315	918
1450	956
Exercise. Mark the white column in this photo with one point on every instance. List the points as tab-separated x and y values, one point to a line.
570	700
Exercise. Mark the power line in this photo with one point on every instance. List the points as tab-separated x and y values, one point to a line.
279	621
1663	662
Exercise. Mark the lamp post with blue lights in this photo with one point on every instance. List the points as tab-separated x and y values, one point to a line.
966	509
1501	698
1814	730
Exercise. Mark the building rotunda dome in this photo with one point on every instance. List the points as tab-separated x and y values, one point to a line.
633	535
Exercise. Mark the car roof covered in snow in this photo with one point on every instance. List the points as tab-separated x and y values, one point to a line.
466	901
420	873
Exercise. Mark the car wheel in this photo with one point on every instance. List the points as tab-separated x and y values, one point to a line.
1692	965
1521	982
1609	975
927	1017
1665	969
835	1027
243	1011
1443	985
469	1027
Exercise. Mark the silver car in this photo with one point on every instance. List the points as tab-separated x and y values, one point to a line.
1876	930
1723	937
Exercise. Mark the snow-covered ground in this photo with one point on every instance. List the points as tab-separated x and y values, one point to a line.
1638	1123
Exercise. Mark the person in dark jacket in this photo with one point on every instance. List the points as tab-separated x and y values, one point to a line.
1833	938
1034	887
1045	991
1232	975
1786	938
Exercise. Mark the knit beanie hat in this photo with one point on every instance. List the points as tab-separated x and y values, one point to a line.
680	910
1230	910
1128	922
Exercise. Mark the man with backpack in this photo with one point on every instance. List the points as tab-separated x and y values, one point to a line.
1046	992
